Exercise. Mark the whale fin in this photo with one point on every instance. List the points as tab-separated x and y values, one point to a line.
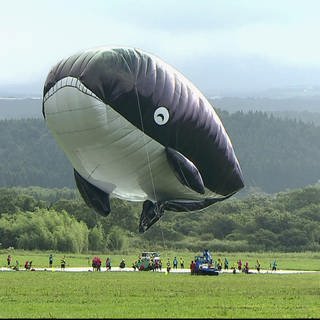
93	196
185	170
191	205
151	213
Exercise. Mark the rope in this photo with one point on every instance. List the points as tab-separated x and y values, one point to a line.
145	144
148	157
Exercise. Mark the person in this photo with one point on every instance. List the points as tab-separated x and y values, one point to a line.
17	266
198	267
274	265
96	263
160	264
50	261
122	264
226	264
135	265
258	266
239	265
168	265
181	263
28	265
234	268
219	264
108	264
142	266
246	267
175	263
156	265
63	263
151	264
9	258
192	267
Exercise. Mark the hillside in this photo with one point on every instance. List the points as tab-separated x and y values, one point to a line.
275	154
20	108
306	109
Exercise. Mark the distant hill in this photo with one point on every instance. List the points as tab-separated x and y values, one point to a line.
275	154
20	108
306	109
293	104
302	108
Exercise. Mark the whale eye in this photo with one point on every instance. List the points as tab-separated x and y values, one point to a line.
161	116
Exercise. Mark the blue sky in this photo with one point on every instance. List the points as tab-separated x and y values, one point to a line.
221	46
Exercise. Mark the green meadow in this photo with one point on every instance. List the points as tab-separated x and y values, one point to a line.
46	294
49	294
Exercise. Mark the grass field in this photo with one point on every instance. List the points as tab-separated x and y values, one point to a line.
47	294
157	295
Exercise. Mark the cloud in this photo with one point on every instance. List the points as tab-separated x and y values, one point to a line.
236	41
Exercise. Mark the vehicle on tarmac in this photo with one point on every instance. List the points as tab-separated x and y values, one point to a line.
148	260
204	265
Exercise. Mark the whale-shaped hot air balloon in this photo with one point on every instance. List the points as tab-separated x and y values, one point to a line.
135	128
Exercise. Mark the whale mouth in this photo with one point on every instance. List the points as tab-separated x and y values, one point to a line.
68	82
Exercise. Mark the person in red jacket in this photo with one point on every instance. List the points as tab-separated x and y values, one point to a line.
193	267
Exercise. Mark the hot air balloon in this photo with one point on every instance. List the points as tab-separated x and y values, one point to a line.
135	128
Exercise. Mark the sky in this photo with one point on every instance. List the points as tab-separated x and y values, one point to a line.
222	46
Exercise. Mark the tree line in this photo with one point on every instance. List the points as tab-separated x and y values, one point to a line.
275	154
58	219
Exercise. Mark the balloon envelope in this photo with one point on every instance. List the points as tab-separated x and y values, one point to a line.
134	128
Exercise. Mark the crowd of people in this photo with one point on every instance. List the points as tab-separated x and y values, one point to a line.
28	263
238	266
154	264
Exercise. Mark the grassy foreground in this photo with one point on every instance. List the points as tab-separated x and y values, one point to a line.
46	294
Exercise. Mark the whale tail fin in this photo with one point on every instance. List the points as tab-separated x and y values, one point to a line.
151	213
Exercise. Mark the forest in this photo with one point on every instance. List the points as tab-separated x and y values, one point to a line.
275	154
279	208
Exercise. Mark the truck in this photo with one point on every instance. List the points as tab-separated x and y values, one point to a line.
204	264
